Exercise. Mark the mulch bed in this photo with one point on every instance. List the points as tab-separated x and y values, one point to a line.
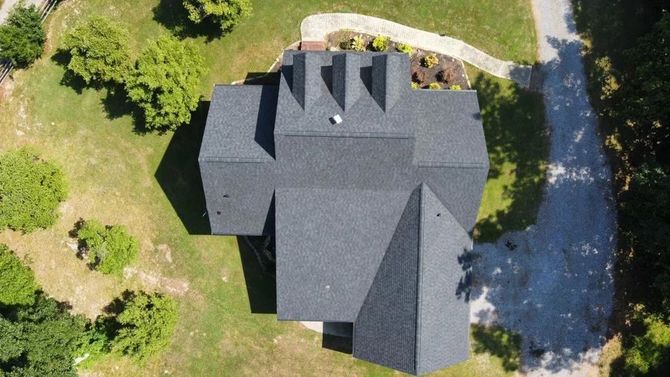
449	71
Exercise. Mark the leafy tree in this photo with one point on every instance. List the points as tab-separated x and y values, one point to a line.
226	13
165	83
17	281
109	248
30	191
41	339
22	36
649	353
99	51
145	325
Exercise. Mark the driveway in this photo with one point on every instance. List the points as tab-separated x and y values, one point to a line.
553	283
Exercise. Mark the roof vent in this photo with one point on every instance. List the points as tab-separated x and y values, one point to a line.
336	119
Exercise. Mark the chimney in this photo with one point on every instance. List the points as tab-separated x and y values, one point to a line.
307	81
390	73
347	83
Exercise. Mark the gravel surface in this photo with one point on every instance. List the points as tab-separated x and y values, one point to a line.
553	283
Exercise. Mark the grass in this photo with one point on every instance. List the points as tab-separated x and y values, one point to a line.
149	182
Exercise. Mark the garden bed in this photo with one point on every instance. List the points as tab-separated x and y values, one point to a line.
447	73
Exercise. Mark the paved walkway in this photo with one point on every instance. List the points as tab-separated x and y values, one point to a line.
7	5
317	27
556	287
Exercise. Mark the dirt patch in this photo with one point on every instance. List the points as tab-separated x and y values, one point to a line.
447	73
155	281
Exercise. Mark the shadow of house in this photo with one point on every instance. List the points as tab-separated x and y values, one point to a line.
261	284
178	173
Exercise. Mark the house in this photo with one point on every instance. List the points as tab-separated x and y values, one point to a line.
370	189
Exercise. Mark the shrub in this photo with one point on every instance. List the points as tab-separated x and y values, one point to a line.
446	75
99	51
415	85
358	43
650	351
145	324
455	87
17	281
419	76
109	248
434	86
22	36
30	191
404	48
226	13
429	61
165	83
381	43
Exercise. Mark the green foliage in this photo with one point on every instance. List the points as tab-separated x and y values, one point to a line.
226	13
17	281
99	51
430	60
405	48
434	86
358	43
30	191
145	324
165	83
381	43
650	352
109	248
499	342
415	85
455	87
41	339
22	36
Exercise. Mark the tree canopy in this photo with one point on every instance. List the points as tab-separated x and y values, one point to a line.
99	51
17	281
145	324
165	83
22	36
30	191
226	13
109	248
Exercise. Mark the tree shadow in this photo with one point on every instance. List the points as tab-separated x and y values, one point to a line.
178	173
499	342
172	15
513	121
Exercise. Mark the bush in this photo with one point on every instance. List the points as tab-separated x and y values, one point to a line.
22	36
165	83
650	352
381	43
145	324
429	61
455	87
30	191
226	13
358	43
415	85
17	281
404	48
419	76
99	51
434	86
109	248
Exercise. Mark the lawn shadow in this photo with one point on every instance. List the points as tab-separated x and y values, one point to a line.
178	173
260	280
172	15
513	120
498	342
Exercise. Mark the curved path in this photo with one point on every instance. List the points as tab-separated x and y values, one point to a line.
318	26
556	287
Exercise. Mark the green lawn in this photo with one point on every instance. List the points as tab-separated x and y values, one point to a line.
149	182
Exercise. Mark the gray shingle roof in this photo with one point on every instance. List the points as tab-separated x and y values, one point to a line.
358	238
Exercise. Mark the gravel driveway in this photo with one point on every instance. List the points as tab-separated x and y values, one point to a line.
553	282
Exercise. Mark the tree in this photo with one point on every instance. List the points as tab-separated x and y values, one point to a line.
17	281
41	339
22	36
99	51
165	83
145	325
226	13
30	191
109	248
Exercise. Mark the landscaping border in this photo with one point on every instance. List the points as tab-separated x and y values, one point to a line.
315	28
